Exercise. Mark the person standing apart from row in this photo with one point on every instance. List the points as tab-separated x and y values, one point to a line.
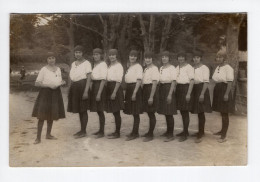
184	98
78	98
133	95
98	92
167	100
150	93
222	95
49	103
115	95
200	91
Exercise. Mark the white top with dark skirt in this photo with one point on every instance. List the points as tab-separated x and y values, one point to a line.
79	72
168	74
99	72
223	74
201	74
185	74
115	73
151	74
47	76
134	73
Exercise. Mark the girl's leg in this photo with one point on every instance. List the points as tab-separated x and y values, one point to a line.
186	121
39	131
170	125
135	132
100	133
202	120
170	128
116	134
83	116
152	121
225	124
101	122
167	126
49	127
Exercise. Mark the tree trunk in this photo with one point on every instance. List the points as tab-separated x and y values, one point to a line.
144	34
165	32
232	46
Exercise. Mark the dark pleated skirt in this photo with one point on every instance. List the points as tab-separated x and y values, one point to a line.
147	88
163	107
219	104
49	105
199	107
118	103
100	105
133	107
75	102
181	92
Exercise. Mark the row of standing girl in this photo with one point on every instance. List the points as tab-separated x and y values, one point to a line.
183	88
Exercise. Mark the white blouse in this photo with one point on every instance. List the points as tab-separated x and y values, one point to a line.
134	73
223	74
168	74
99	71
115	72
80	72
201	74
151	74
46	76
185	74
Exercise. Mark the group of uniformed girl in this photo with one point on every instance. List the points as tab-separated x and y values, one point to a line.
164	90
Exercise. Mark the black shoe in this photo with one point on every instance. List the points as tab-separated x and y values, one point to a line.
37	141
218	133
183	138
114	136
111	134
100	135
199	138
148	138
79	132
129	135
145	135
132	137
164	134
96	133
50	137
182	134
169	138
81	135
194	134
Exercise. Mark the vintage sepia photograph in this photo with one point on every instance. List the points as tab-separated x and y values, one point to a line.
128	89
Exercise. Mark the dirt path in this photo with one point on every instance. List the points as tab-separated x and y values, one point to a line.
67	151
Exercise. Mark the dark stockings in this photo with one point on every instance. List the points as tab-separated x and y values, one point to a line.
83	116
170	124
225	124
117	121
152	120
186	121
202	120
135	130
101	121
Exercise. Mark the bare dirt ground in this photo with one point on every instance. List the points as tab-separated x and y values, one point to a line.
67	151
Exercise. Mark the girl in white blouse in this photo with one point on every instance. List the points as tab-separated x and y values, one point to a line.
133	95
98	91
200	92
184	98
222	96
167	100
115	95
150	93
78	99
49	103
